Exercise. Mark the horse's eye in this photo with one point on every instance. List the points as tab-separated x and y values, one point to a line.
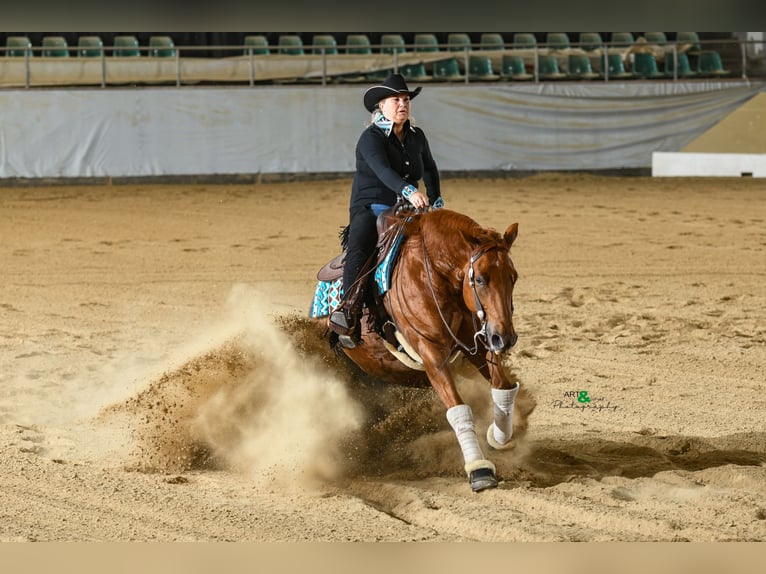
480	281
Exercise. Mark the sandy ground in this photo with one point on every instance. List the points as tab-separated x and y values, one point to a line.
159	380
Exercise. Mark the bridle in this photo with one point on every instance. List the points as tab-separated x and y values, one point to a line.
472	283
479	317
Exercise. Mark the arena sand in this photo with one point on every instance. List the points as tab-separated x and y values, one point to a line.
159	379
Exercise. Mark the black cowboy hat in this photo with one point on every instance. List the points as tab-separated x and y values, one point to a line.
391	86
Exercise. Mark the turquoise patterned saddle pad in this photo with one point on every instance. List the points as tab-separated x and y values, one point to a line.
328	294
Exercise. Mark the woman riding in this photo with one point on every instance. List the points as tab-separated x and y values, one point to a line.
392	156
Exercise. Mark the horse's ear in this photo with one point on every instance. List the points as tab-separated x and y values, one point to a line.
510	234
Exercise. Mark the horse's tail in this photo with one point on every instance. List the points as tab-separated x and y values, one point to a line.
343	236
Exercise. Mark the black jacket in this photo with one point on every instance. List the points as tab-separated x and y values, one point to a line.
384	166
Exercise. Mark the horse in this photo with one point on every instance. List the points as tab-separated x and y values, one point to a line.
450	291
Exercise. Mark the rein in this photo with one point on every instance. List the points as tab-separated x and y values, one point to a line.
481	332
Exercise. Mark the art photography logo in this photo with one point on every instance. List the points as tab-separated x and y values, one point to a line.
582	401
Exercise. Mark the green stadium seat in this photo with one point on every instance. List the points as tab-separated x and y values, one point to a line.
324	43
162	47
390	43
55	47
656	37
590	41
480	68
645	66
358	44
491	41
457	42
18	47
447	70
256	44
684	67
557	40
615	68
548	67
710	64
580	68
689	38
415	72
362	45
524	40
90	47
378	75
290	44
126	47
622	39
426	43
512	67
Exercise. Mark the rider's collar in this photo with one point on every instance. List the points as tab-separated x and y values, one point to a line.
383	123
387	125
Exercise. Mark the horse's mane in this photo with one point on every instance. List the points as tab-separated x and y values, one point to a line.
443	226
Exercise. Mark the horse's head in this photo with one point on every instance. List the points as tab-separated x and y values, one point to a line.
488	283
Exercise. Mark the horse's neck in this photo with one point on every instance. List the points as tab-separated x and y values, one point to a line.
445	247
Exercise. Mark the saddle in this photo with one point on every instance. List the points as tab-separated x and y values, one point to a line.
389	227
387	233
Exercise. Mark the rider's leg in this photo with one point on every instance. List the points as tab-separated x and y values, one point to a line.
362	239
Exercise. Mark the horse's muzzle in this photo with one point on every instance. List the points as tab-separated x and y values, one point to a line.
499	341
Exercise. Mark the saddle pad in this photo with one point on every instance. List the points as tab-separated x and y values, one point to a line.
328	294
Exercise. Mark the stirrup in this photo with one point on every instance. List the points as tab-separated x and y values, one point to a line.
340	322
341	325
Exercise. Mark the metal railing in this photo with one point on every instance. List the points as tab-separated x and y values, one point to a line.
337	64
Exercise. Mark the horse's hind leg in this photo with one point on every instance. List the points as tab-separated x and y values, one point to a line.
481	472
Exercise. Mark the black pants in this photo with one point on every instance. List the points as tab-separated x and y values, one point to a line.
362	239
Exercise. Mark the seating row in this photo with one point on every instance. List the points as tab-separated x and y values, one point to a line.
574	67
90	46
515	61
56	46
360	43
642	64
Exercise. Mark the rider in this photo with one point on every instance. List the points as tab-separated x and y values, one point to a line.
392	156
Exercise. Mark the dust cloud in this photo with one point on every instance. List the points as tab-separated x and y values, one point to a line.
266	396
247	402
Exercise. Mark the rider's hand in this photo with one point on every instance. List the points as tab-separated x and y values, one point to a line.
419	200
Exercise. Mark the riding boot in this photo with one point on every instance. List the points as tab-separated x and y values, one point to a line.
345	319
341	321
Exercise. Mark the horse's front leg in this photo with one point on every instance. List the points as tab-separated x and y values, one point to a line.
480	470
504	391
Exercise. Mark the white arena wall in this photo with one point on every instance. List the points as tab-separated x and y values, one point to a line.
687	164
312	129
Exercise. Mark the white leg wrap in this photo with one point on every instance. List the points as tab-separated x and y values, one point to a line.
502	429
460	418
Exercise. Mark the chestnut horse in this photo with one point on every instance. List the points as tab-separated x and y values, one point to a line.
451	290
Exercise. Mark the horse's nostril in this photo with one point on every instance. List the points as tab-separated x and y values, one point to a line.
513	340
497	342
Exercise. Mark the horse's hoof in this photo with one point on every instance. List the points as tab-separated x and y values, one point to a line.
482	479
493	444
